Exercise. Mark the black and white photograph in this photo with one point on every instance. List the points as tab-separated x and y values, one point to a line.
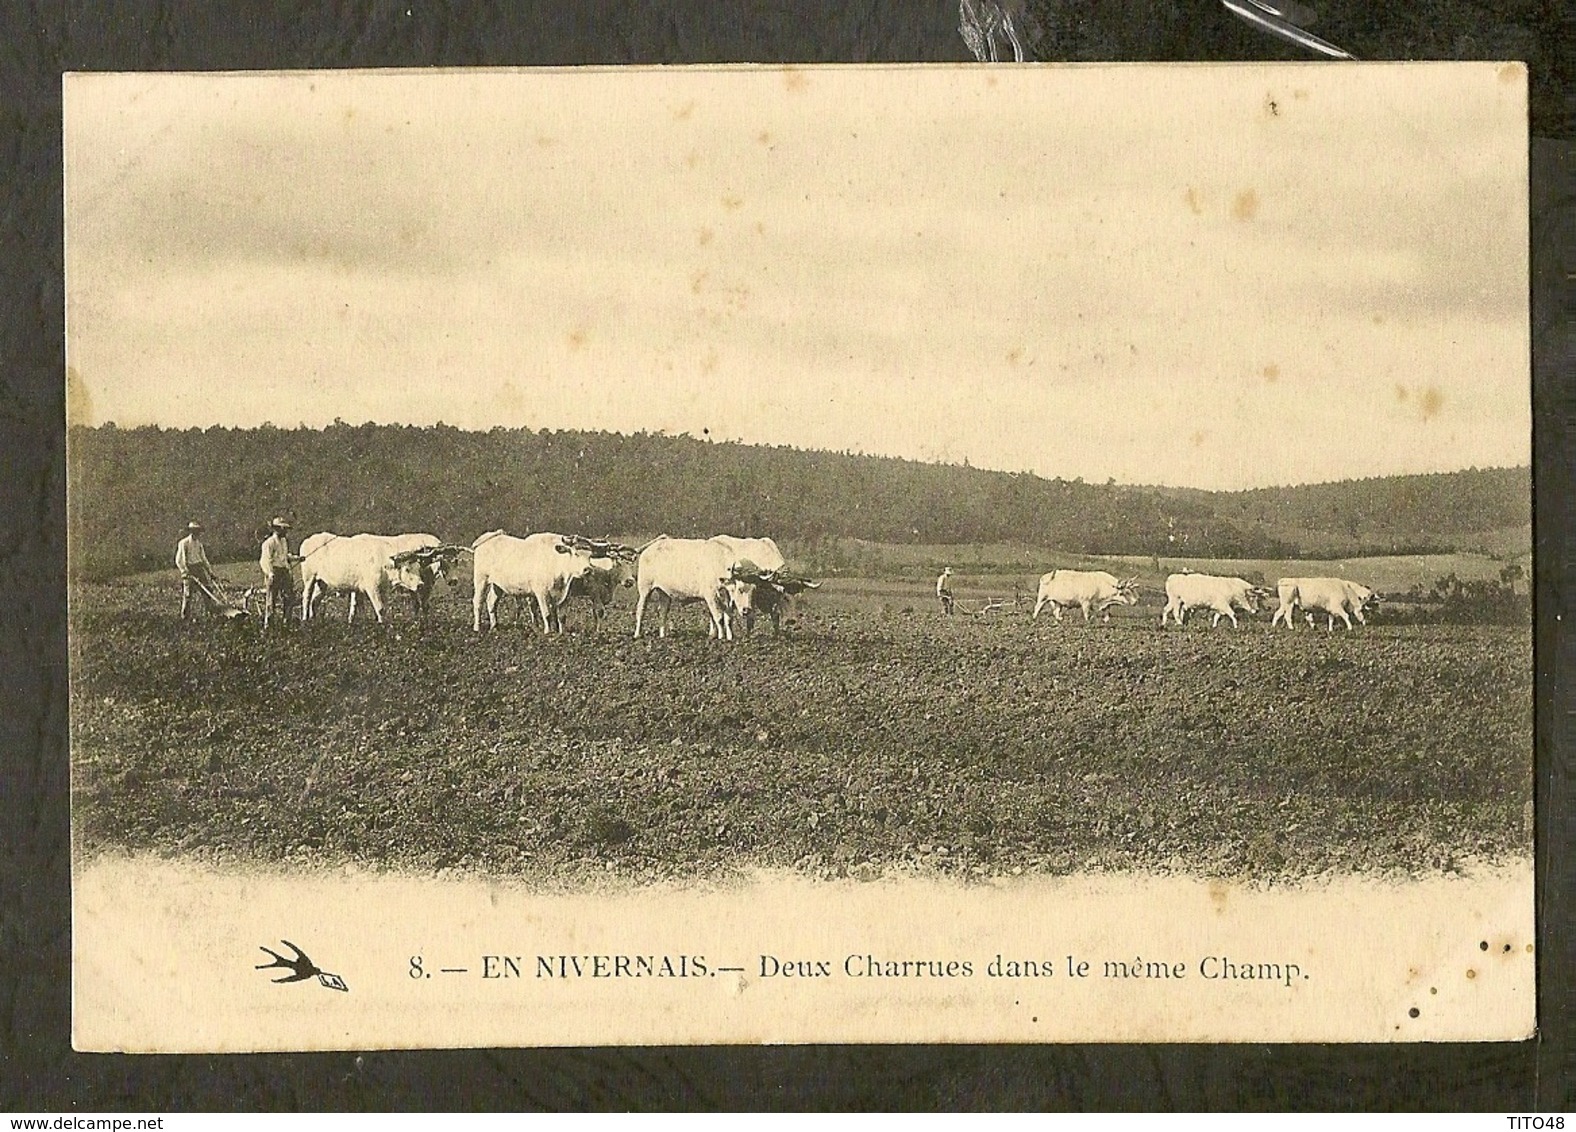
800	554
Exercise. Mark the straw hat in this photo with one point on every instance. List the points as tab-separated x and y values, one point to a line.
280	524
194	525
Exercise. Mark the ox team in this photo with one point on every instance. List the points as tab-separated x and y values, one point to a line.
735	578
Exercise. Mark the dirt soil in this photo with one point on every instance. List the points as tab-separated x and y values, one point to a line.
864	741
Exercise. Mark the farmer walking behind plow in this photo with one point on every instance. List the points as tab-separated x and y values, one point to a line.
279	586
191	559
944	590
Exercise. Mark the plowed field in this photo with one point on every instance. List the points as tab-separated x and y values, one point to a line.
874	736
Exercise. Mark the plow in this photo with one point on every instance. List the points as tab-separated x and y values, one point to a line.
989	606
986	606
219	599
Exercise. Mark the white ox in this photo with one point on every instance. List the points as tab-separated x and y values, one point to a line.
756	555
1093	591
370	566
1334	597
545	567
684	570
1188	591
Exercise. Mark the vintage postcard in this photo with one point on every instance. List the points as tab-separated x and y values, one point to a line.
752	554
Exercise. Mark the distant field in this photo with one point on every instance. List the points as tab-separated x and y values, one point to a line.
1027	563
874	737
855	556
1391	574
904	574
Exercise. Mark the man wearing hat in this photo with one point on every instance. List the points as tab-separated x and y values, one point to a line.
276	563
196	573
944	590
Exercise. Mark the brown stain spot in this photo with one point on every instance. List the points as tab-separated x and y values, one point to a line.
1432	401
1272	373
760	228
1217	896
991	80
708	364
703	237
793	79
1271	105
1194	201
732	202
1400	392
509	396
350	114
578	337
764	137
1433	990
1378	320
79	402
1300	95
1511	72
1015	355
1246	206
691	159
1198	436
1471	974
683	112
545	142
698	280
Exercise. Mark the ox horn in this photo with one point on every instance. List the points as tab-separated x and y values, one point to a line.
791	583
596	547
568	544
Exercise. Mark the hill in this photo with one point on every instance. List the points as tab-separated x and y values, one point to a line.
1484	511
131	490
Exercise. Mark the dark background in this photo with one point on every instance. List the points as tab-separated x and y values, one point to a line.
133	487
39	41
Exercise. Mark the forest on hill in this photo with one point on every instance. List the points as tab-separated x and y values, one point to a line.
132	490
1487	511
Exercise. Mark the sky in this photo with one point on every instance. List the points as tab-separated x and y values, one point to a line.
1201	275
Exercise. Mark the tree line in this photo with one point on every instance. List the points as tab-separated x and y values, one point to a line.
131	490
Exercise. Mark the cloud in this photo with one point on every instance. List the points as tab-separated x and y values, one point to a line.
906	260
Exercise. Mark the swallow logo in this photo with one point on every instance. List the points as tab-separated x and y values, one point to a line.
301	968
